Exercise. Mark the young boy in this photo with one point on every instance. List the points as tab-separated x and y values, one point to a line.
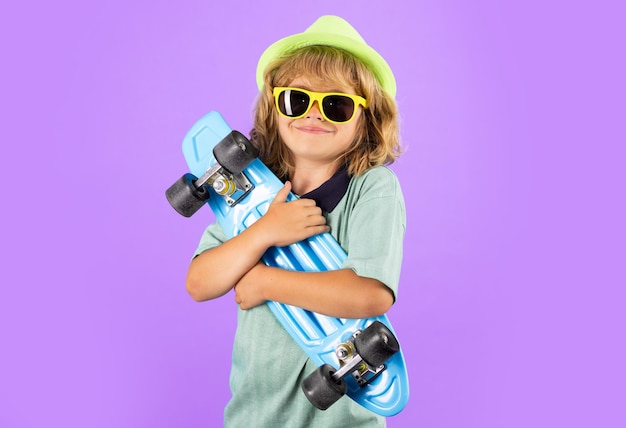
325	122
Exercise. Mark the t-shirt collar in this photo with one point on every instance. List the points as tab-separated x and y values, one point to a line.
328	195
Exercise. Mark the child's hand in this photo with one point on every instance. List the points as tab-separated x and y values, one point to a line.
288	222
248	291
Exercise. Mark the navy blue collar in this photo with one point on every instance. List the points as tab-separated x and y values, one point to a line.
328	195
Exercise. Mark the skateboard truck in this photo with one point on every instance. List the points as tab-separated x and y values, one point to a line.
233	153
232	187
350	362
362	356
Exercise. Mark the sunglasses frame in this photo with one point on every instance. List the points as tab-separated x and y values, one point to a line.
319	97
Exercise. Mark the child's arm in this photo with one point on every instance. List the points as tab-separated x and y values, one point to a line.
340	293
214	272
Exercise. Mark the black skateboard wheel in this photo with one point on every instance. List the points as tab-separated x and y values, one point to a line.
376	344
235	152
321	389
185	197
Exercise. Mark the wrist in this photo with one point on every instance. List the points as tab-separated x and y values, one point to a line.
258	237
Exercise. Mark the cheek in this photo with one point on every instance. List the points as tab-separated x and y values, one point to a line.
283	126
359	129
349	133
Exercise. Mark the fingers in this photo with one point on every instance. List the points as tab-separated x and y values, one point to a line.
283	193
239	299
287	222
304	207
316	230
314	216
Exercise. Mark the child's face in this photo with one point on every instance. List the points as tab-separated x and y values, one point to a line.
312	139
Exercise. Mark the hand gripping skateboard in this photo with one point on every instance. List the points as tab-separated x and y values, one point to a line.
357	357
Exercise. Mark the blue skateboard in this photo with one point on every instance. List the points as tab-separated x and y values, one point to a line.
360	358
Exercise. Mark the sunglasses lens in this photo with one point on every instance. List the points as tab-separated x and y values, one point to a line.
293	103
338	108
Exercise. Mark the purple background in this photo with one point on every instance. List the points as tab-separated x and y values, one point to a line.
511	303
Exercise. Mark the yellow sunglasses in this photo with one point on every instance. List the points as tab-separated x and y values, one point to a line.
336	107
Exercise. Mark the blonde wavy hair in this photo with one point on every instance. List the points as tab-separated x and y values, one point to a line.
377	139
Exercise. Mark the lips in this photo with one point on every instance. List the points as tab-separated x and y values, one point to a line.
313	129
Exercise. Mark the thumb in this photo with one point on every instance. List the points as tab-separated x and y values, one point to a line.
282	194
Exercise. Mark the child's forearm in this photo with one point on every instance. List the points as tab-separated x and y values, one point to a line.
340	293
214	272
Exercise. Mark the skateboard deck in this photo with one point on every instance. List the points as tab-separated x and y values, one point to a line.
318	335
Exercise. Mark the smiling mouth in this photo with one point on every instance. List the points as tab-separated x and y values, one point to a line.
313	130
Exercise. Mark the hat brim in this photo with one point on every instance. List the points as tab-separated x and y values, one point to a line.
362	51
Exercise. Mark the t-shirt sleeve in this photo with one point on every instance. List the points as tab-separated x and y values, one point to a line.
376	228
212	237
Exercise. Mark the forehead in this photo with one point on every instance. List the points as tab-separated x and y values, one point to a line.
322	68
318	84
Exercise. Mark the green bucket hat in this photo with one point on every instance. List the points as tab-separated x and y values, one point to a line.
334	31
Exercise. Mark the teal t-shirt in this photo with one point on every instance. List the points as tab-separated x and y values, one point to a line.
267	365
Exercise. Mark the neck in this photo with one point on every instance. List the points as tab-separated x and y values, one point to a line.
305	178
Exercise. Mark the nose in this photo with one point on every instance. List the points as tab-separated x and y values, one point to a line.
315	112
